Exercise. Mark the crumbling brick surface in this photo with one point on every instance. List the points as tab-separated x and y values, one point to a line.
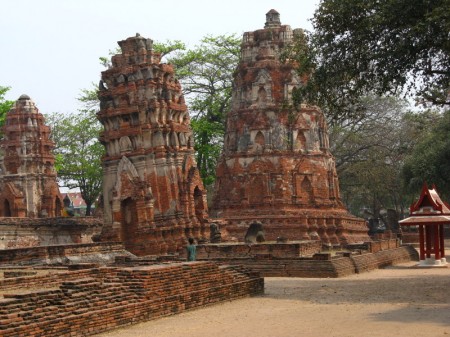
276	166
106	298
32	232
322	265
153	195
234	250
28	185
102	252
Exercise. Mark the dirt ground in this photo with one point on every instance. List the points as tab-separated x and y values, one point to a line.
397	301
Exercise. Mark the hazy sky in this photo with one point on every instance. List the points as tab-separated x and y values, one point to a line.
50	48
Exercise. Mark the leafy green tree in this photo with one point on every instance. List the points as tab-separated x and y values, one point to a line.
78	152
5	105
169	47
359	47
370	152
430	160
206	74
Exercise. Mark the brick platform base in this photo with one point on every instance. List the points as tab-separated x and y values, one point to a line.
100	252
323	265
106	298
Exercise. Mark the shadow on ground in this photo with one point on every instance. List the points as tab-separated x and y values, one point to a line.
420	297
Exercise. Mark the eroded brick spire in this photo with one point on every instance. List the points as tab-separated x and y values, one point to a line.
28	185
153	195
276	167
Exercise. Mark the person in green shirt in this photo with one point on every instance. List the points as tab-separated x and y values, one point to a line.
191	250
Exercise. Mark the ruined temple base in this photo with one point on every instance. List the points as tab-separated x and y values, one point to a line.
290	260
162	239
87	302
384	302
37	232
332	227
100	253
264	249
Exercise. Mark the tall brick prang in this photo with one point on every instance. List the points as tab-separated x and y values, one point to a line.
28	185
276	166
153	195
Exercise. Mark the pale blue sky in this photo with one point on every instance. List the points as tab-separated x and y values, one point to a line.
50	48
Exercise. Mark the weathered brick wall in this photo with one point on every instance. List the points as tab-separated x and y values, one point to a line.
410	237
106	251
375	246
52	278
291	249
28	232
322	266
383	258
120	297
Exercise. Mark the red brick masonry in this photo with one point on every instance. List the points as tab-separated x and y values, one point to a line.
107	298
101	252
154	198
323	265
288	250
276	166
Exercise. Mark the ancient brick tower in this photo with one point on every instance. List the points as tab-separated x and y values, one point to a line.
276	166
153	195
28	185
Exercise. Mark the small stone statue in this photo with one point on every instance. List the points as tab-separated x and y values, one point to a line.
255	233
214	233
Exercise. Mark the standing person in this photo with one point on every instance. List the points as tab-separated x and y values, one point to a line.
191	250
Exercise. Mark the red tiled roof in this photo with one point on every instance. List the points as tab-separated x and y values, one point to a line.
429	203
429	209
76	199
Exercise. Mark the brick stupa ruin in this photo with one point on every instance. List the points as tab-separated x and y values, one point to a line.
153	194
28	186
276	167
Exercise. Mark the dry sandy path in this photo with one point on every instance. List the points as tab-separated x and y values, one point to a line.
398	301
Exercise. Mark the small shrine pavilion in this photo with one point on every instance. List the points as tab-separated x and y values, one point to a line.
430	213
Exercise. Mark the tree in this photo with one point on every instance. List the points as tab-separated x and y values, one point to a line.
362	47
370	153
206	75
430	160
5	105
78	152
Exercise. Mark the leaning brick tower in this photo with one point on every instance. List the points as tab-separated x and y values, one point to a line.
153	194
28	186
276	166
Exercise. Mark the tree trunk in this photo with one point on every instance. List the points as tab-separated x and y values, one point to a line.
88	208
